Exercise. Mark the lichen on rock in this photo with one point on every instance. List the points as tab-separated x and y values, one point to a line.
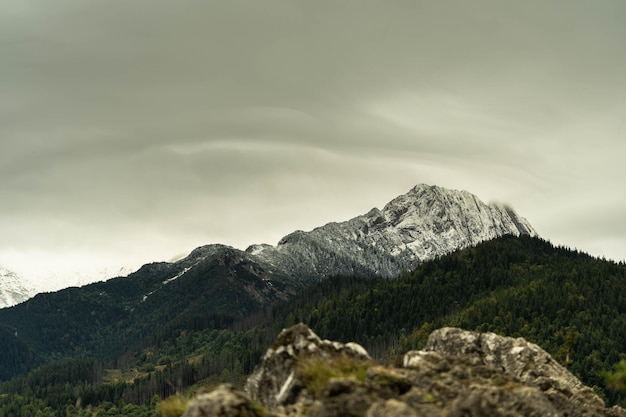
459	373
288	368
225	401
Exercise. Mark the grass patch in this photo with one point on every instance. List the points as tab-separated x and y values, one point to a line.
173	406
429	398
258	409
317	372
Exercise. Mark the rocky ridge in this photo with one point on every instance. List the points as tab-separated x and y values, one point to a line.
458	373
426	222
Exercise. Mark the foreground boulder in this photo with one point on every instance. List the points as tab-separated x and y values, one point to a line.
515	357
459	373
298	365
225	401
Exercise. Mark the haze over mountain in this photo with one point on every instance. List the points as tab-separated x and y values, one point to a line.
207	317
216	281
427	221
134	132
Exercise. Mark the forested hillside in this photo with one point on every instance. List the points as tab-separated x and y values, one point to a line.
104	319
568	302
571	304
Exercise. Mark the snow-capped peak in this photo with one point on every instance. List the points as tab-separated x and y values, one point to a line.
426	222
13	289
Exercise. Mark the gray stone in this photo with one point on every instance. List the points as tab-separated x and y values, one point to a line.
278	381
391	407
515	356
459	373
225	401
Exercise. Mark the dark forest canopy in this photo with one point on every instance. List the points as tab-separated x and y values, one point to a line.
571	304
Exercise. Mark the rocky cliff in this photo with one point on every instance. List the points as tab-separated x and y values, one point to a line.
458	373
426	222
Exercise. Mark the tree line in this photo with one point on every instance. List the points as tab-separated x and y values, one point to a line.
571	304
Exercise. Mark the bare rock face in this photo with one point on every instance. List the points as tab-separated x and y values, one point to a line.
426	222
516	357
459	373
225	401
280	380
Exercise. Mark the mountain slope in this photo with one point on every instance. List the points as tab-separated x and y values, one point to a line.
518	286
211	287
13	289
217	284
569	303
426	222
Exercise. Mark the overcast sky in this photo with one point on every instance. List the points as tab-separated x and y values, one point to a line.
134	131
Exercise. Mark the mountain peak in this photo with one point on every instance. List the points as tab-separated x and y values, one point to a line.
13	288
454	208
423	187
426	222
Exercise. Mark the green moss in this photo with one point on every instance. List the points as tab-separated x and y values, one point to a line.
616	380
429	398
317	372
173	406
389	381
529	365
498	381
258	409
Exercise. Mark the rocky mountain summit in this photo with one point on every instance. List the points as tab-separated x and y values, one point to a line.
13	288
458	373
426	222
222	282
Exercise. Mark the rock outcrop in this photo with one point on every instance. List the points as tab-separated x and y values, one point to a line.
289	369
225	401
515	356
426	222
458	373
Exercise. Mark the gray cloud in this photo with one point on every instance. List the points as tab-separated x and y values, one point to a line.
137	130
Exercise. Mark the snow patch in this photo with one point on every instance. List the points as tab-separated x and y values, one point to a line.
13	288
427	222
180	274
145	297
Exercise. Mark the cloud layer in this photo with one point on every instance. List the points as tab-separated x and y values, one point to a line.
135	131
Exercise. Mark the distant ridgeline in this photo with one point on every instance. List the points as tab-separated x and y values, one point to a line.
216	284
